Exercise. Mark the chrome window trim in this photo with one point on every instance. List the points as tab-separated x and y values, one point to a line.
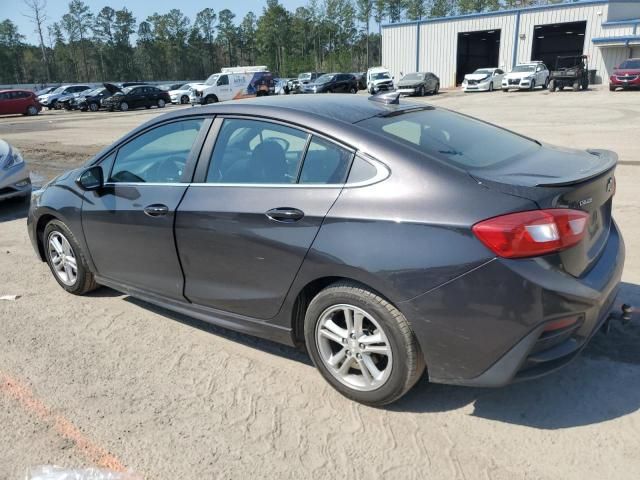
382	173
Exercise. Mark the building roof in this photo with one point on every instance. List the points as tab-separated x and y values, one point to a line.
498	12
617	41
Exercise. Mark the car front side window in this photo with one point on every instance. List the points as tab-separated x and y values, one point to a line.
256	152
158	155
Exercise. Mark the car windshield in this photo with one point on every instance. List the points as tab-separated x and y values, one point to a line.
380	76
186	86
483	71
524	68
95	91
59	90
629	64
213	79
304	76
325	78
44	91
413	77
568	62
127	90
452	138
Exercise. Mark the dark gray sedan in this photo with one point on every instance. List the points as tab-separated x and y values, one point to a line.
386	239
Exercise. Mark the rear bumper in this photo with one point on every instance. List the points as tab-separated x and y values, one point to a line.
487	328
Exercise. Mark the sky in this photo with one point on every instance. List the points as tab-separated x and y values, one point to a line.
14	9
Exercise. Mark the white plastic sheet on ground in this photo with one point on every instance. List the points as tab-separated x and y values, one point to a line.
51	472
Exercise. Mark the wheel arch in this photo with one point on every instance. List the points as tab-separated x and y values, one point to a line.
308	292
42	223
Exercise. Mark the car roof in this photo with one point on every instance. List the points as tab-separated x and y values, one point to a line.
16	90
345	108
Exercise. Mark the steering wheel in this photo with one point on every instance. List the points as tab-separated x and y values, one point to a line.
168	170
280	141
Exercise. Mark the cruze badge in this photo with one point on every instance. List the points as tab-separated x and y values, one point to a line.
586	201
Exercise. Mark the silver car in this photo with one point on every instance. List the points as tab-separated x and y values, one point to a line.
14	174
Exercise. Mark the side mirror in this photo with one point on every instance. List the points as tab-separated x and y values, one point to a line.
91	179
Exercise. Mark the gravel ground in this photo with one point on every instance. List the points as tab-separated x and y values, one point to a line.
109	381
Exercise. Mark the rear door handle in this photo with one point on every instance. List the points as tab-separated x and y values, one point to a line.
156	210
285	214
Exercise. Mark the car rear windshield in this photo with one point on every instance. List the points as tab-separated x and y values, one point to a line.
629	64
452	138
413	76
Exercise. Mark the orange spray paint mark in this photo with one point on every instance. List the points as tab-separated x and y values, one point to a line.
63	427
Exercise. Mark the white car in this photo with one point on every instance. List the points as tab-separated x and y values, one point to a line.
182	93
483	80
379	79
232	84
526	76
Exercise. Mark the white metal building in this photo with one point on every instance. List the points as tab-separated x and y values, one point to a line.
608	31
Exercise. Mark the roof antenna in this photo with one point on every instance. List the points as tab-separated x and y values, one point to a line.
392	98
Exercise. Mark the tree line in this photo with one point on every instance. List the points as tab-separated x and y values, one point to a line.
327	35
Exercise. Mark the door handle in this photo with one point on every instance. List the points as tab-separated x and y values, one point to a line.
285	214
156	210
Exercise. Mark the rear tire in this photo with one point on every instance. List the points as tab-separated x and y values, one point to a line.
576	86
382	357
161	103
62	252
612	88
505	90
552	85
437	89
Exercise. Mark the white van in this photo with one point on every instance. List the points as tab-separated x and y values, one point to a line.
379	79
232	84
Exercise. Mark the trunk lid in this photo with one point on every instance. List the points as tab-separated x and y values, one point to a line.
562	178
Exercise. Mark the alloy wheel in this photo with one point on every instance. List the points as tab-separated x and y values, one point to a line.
354	347
63	258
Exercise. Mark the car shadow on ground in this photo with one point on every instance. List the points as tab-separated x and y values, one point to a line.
13	209
266	346
600	385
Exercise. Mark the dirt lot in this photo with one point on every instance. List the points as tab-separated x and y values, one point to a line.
106	380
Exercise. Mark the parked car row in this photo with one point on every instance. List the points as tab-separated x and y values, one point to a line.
569	72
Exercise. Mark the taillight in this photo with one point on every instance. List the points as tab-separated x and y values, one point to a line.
532	233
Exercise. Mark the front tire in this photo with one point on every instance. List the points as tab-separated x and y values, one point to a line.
361	344
124	106
491	87
576	86
552	86
184	100
94	107
421	91
32	110
66	260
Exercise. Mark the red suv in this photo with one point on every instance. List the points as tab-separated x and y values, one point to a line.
627	75
19	101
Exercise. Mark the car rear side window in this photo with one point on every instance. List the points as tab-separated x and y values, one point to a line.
253	151
452	138
325	162
158	155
